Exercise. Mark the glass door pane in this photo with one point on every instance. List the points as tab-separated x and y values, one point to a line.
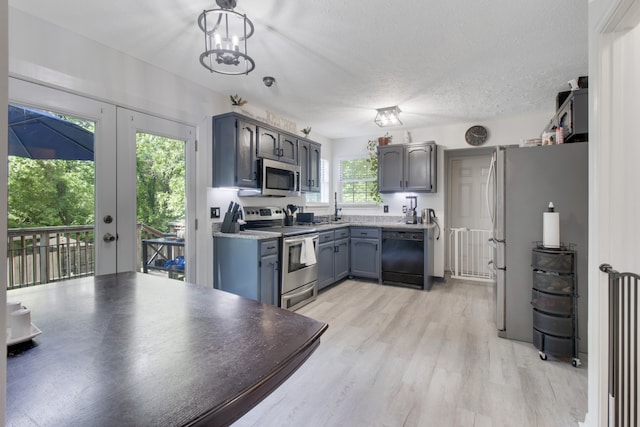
160	198
154	219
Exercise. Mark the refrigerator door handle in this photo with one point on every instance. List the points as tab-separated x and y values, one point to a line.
491	171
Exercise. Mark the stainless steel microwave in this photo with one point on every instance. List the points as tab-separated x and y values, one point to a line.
278	178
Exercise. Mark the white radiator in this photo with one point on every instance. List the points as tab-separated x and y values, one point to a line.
469	254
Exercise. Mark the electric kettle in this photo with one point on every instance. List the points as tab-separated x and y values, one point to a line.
428	216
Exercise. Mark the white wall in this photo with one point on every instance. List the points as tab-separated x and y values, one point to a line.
504	131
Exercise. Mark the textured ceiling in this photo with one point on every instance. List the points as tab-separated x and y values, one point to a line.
336	61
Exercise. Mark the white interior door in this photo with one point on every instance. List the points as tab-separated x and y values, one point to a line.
104	117
467	207
131	125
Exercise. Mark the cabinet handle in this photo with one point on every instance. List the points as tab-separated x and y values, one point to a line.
336	249
406	185
400	183
271	247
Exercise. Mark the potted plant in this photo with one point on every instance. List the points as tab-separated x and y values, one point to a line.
372	163
236	101
385	140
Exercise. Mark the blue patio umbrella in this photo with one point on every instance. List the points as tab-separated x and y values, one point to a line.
39	135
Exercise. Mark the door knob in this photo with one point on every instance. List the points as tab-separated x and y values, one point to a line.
109	237
108	219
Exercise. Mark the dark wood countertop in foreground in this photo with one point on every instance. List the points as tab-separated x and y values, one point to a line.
131	349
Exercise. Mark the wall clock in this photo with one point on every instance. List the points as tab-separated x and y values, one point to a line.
476	135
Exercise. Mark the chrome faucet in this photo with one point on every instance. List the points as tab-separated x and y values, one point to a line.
336	209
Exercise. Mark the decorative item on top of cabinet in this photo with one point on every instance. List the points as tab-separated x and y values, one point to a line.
385	140
407	167
237	101
306	131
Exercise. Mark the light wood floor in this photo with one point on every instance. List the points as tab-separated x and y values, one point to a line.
394	356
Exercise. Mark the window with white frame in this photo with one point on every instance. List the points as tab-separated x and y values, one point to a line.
357	181
323	195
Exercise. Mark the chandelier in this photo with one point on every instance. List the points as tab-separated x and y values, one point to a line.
388	116
225	40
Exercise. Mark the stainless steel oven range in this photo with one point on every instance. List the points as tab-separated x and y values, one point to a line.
298	255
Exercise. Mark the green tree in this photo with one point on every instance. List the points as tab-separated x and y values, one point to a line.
50	192
161	180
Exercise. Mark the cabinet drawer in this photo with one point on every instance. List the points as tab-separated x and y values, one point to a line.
550	303
554	283
559	262
326	236
268	247
342	233
373	233
553	325
553	345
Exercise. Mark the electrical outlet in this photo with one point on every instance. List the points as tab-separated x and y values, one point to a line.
386	208
404	209
215	212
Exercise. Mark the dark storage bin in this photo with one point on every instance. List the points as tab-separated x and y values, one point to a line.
553	345
550	261
553	325
553	283
553	304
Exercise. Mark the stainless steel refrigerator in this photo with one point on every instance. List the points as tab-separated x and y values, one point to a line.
521	183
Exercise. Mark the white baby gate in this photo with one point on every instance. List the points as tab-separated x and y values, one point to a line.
469	254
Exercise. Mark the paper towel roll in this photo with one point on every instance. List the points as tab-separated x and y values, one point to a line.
551	229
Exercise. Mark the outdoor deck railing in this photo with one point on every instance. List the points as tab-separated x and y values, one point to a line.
49	254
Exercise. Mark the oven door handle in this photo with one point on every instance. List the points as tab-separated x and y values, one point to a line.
290	240
303	291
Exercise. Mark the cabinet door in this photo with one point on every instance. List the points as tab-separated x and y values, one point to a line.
246	174
417	167
390	168
288	149
269	279
305	180
268	144
364	257
326	271
341	260
314	167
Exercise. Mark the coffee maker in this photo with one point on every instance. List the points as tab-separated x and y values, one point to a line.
411	216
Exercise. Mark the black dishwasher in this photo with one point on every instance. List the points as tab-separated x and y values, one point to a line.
403	257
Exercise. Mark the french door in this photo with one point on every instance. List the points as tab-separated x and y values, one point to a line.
116	131
134	129
103	117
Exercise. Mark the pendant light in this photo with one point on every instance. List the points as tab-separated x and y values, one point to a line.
225	40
